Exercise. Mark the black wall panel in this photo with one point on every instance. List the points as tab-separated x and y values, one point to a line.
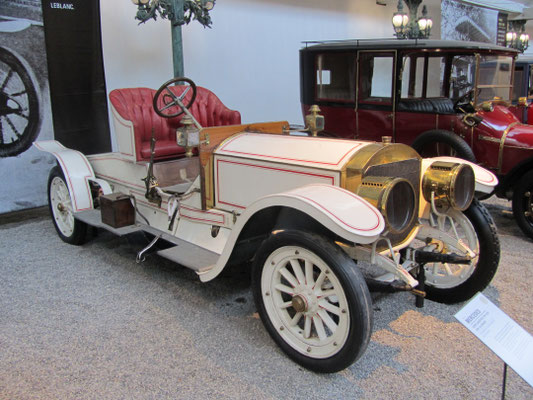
76	74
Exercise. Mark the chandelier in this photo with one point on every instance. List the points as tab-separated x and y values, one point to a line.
408	26
516	36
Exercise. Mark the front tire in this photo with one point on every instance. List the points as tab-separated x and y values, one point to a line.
522	208
312	299
69	229
454	283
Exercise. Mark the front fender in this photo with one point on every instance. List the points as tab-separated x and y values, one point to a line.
341	211
486	181
77	171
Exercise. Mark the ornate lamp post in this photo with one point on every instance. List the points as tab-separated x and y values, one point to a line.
516	36
179	12
409	26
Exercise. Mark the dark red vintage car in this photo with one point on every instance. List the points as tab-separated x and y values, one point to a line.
441	97
522	99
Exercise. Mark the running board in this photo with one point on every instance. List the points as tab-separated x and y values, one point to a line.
184	253
94	218
191	256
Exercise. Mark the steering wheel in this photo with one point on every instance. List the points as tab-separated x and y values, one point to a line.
465	99
171	105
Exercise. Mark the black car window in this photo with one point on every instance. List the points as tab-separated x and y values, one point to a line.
335	77
375	78
423	77
518	79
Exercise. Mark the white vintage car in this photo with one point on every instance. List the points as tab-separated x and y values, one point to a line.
311	212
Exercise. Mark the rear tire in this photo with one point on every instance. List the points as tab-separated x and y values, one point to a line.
312	299
522	207
69	229
439	142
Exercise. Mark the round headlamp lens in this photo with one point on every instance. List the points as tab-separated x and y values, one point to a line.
395	198
449	185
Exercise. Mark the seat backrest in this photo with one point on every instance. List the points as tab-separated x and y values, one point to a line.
207	109
136	105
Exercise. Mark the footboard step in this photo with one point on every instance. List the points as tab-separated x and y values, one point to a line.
94	218
191	256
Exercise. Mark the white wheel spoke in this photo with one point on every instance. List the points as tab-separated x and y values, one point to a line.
330	307
298	271
454	229
327	293
297	317
290	277
328	320
286	305
309	279
319	326
68	205
307	327
447	269
285	289
320	280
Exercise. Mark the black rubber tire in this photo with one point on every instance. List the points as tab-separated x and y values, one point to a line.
522	203
453	145
27	135
79	232
352	283
489	258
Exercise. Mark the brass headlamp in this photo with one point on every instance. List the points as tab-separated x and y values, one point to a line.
449	184
394	197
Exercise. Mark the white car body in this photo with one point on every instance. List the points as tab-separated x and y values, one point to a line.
298	172
305	210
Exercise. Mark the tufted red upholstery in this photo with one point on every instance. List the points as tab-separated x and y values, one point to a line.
135	105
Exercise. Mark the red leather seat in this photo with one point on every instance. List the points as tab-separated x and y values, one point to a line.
135	105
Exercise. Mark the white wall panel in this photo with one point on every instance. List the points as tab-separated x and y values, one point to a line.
249	57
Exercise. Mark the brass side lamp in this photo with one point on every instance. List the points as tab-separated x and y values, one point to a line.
314	122
188	135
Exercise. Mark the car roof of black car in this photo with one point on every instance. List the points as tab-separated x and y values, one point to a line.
524	60
394	44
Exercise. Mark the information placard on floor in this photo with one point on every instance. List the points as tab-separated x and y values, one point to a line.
500	333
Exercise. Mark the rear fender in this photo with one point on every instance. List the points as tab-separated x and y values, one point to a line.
78	172
486	181
342	212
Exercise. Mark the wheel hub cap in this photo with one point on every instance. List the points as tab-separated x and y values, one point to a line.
299	303
305	301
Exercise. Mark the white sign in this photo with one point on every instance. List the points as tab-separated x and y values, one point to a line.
500	333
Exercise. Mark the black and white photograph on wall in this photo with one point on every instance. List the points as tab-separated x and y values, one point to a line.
24	105
466	22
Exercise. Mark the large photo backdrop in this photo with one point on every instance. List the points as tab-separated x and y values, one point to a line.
50	60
